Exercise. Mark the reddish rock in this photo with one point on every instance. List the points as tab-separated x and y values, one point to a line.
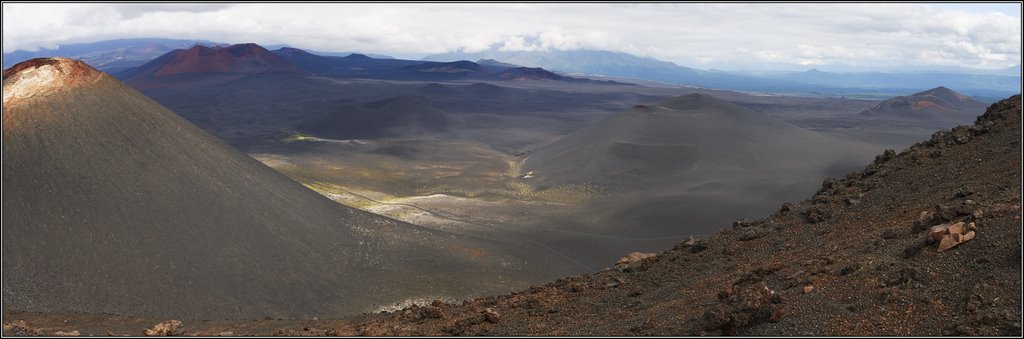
167	328
957	228
491	315
952	235
634	257
949	241
939	231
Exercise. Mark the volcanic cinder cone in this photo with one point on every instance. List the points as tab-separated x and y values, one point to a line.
114	204
937	107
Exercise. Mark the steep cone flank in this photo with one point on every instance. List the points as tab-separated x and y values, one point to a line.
114	204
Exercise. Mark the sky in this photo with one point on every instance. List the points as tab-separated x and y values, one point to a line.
711	35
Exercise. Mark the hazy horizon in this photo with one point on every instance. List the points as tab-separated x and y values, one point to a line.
762	36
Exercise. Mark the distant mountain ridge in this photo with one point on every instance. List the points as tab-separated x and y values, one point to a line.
201	63
526	73
812	82
575	61
359	65
595	62
208	64
114	56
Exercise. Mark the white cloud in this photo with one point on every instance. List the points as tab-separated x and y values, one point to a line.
517	43
703	35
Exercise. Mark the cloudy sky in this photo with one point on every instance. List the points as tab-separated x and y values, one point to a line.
726	36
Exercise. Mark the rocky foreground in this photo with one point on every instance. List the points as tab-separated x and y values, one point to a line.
924	242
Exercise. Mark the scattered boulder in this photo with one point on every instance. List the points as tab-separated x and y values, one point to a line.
752	233
750	303
808	289
728	291
698	246
963	192
226	334
885	156
848	269
491	315
891	233
432	312
915	247
967	207
828	184
20	328
74	333
950	213
925	219
944	213
167	328
786	207
633	258
951	235
938	231
817	214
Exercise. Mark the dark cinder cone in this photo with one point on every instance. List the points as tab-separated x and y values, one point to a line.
114	204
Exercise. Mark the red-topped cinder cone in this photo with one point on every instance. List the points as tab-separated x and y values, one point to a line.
114	204
202	63
41	77
241	58
937	107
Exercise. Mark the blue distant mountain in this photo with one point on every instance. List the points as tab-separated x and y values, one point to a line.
362	66
337	54
607	63
983	85
345	54
986	86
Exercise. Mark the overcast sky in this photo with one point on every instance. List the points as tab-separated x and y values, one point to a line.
728	36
